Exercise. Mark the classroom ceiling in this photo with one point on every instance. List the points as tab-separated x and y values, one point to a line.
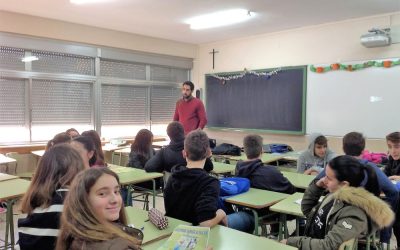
164	18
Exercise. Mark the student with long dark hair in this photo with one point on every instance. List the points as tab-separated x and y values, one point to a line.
141	149
352	209
59	138
43	202
97	144
94	216
85	146
72	132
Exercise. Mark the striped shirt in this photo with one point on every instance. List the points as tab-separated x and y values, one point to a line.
39	229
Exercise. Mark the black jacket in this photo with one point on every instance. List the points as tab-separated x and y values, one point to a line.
392	167
171	156
264	176
191	195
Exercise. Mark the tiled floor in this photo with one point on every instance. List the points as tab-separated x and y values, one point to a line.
159	205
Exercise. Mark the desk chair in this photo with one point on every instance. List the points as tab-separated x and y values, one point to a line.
15	156
349	245
372	241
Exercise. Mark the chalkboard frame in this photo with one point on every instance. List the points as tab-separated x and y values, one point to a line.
302	131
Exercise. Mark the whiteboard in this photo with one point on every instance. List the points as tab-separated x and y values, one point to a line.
366	101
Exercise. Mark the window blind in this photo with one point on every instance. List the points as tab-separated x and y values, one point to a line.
121	69
163	100
123	104
12	102
61	102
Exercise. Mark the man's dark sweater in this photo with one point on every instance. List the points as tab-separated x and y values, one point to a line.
264	176
191	195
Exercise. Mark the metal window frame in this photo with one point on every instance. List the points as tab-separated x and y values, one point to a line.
97	53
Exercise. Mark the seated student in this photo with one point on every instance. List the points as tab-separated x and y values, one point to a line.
44	198
171	155
192	194
57	139
141	149
99	150
94	216
315	158
260	175
72	132
85	146
392	170
354	145
348	211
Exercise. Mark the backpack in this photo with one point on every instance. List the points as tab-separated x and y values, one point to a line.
226	149
276	148
233	185
376	158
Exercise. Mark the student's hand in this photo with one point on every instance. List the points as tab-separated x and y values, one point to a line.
221	214
394	177
308	171
314	172
320	183
283	241
208	248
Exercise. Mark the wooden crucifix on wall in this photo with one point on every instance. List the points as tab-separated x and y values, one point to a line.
213	52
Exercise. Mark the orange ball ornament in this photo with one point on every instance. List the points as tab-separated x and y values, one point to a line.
320	70
335	66
387	64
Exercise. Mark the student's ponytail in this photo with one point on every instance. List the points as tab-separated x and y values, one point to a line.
348	168
372	184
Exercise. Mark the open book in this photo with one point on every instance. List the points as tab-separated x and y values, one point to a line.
187	238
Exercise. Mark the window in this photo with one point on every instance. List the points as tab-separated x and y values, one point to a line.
13	122
163	100
124	110
59	105
70	85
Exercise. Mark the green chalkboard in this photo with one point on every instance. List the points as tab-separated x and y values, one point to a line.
275	103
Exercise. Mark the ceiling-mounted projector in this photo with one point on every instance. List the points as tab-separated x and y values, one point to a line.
376	38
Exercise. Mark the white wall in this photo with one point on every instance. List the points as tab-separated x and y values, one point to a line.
334	42
49	28
328	43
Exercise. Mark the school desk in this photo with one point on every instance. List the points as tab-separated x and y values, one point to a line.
139	219
10	191
111	149
38	153
5	177
298	180
285	207
223	168
256	199
224	238
4	160
129	176
265	157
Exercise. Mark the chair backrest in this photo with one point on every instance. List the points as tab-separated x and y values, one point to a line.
15	156
349	244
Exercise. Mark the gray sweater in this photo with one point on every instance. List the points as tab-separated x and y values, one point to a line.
309	160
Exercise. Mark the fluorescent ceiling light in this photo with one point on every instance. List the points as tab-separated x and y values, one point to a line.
88	1
30	58
218	19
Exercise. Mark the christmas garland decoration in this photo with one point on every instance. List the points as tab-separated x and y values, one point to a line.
354	67
223	79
